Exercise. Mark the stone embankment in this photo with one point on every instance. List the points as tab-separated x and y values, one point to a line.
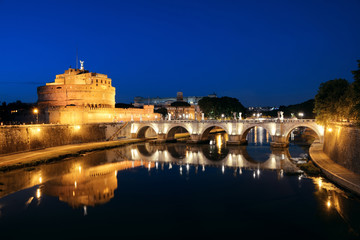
23	138
339	156
34	158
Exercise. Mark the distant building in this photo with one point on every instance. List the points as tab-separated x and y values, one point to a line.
79	96
163	102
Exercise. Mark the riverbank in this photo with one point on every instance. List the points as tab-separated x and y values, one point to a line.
47	155
333	171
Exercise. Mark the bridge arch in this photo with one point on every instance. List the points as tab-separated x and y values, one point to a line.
141	133
248	129
171	132
313	127
204	135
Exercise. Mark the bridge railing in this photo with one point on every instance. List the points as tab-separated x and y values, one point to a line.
274	120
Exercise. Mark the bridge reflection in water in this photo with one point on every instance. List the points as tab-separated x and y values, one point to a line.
92	179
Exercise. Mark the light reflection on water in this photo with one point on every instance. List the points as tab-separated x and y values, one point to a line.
250	181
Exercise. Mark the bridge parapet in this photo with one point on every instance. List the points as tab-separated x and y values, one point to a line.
279	129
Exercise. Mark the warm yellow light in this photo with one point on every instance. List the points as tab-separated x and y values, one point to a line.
328	204
79	169
320	183
330	129
36	111
77	127
75	184
38	193
40	179
38	129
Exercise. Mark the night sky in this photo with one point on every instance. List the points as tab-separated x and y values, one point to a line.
265	53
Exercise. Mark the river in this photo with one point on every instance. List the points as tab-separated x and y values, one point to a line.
174	191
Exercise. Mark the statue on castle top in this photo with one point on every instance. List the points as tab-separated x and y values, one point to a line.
81	65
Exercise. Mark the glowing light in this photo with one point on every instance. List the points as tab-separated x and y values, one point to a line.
85	210
157	165
218	141
170	166
149	167
79	169
254	174
115	173
187	167
36	111
180	170
320	183
258	172
38	129
40	179
73	193
77	127
203	168
328	203
75	184
38	193
223	169
330	129
240	171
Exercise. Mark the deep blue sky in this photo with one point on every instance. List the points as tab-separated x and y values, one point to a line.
261	52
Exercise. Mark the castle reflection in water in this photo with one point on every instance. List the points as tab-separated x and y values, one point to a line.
91	179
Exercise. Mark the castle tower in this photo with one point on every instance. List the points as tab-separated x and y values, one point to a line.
78	87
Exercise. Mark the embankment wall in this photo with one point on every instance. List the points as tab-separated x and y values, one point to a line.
341	144
32	137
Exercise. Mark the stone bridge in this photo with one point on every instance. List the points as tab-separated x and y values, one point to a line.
237	130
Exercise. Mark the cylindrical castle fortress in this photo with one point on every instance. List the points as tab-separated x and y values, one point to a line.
78	88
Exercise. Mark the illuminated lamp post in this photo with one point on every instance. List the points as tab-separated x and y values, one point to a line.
301	115
36	111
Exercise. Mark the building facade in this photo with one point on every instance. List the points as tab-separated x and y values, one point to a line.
78	87
79	96
163	102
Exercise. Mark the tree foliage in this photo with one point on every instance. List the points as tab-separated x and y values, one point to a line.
338	100
331	99
307	108
354	95
163	111
215	107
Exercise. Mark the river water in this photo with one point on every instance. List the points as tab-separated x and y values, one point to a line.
175	191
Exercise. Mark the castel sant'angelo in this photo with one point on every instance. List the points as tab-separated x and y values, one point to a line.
79	96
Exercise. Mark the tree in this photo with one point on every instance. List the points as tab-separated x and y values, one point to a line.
215	107
354	96
307	108
331	101
163	111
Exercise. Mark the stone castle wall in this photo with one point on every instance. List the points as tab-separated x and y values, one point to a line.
32	137
341	144
79	114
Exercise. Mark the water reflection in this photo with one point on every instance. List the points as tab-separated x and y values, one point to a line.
338	202
92	179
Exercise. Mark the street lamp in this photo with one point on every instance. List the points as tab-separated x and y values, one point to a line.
301	114
36	111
